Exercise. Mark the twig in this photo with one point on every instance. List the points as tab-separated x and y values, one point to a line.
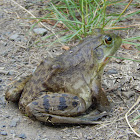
105	124
126	117
123	27
38	21
123	11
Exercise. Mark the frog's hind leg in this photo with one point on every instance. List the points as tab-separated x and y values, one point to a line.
59	108
14	92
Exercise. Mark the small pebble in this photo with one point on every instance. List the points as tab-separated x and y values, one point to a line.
1	15
10	73
5	44
7	116
26	63
5	54
14	122
128	94
14	37
3	126
12	131
112	71
31	1
0	80
89	138
2	101
40	31
23	136
3	133
3	72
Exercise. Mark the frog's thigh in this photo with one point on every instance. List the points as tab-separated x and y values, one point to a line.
56	104
13	93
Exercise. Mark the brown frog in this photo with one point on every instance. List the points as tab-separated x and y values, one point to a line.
62	89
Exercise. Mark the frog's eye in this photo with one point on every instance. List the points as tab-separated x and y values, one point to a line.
108	39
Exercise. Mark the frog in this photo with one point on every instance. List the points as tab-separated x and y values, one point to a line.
64	88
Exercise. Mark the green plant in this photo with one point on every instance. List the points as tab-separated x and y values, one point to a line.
80	17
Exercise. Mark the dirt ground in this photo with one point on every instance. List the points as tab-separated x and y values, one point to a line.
19	56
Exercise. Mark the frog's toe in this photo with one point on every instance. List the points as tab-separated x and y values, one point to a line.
93	117
14	92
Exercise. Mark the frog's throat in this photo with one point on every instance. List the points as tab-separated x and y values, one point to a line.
103	64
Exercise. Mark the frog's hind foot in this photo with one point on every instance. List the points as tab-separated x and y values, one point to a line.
58	120
14	92
82	119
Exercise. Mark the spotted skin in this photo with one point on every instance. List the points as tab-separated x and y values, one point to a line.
60	106
62	89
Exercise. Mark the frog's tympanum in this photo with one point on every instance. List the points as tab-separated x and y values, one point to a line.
64	88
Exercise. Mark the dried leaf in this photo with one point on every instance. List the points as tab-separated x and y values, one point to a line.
127	46
33	21
65	48
52	22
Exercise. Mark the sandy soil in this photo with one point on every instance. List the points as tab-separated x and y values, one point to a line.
19	55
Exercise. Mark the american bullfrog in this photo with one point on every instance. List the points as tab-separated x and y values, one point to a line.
63	88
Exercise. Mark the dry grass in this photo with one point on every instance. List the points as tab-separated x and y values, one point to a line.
135	120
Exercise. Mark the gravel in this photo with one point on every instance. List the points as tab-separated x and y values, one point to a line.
14	37
40	31
3	133
14	122
22	135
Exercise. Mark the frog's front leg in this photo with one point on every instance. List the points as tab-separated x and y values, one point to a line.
13	93
99	95
58	108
